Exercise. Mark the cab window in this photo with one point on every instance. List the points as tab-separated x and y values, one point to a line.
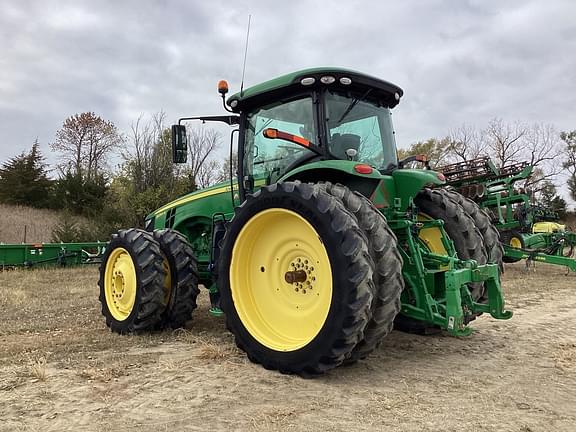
269	159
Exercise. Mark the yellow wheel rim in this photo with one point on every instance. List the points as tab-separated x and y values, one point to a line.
120	284
515	242
432	237
273	246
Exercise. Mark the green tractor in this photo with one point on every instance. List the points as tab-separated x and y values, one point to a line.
322	241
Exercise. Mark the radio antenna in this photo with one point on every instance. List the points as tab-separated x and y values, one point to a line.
245	55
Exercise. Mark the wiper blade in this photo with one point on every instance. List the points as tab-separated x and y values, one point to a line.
353	104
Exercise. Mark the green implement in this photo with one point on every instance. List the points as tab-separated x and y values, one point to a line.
527	231
50	254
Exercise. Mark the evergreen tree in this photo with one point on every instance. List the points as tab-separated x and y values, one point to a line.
23	179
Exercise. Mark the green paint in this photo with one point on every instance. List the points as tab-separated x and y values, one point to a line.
51	254
436	285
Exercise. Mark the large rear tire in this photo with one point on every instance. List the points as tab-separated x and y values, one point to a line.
466	237
295	279
181	281
490	235
388	280
131	279
460	227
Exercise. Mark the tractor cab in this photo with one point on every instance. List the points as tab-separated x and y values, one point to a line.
311	115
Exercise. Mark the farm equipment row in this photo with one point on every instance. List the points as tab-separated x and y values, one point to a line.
50	254
527	231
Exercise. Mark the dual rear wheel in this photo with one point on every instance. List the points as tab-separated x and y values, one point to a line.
147	281
310	277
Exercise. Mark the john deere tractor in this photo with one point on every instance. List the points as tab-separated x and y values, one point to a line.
321	241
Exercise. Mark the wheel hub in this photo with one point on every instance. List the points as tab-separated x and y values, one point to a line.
301	275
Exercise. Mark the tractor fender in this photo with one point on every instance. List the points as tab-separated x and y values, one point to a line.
408	182
336	171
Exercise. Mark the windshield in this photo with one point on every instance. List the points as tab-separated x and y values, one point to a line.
268	159
360	130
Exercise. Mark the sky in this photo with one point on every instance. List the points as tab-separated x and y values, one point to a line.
459	62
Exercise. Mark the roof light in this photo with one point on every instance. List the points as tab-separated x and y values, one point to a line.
345	81
222	87
363	169
396	96
328	79
307	81
234	103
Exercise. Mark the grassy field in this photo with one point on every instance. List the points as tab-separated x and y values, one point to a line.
61	369
22	224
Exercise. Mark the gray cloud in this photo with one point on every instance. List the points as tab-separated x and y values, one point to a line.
458	61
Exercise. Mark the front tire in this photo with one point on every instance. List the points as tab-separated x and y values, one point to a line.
295	279
181	282
131	277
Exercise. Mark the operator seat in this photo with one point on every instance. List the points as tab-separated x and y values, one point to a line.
342	142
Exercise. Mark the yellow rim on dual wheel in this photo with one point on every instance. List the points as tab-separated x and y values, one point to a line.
432	237
281	279
120	284
515	242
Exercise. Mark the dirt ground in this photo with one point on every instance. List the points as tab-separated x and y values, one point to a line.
61	369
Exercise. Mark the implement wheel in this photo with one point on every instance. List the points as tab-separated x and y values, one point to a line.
295	279
513	239
131	281
388	280
181	282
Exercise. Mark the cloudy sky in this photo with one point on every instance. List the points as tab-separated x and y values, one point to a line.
458	61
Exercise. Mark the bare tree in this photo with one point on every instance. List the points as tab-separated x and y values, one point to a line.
505	141
202	143
208	174
542	149
84	142
224	174
466	143
149	157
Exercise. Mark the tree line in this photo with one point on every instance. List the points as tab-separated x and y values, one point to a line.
83	182
552	154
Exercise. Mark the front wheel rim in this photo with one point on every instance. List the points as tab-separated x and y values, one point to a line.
281	279
120	284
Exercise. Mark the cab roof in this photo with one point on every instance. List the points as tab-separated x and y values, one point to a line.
286	84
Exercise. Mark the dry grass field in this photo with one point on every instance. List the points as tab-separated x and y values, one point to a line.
38	224
61	369
22	224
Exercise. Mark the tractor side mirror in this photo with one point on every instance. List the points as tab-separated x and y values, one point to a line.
179	144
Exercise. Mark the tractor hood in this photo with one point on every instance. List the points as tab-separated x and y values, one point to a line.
199	194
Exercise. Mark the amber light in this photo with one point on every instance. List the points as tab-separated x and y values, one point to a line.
271	133
441	176
222	87
363	169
